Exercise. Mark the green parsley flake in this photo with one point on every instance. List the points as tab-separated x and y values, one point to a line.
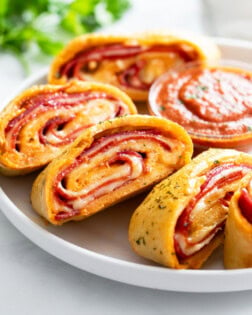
202	87
141	240
172	195
161	206
57	75
191	97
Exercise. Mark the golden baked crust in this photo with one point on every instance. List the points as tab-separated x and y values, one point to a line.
109	162
202	189
42	121
238	233
192	48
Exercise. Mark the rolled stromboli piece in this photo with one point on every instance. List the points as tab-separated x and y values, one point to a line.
42	121
131	63
109	162
182	220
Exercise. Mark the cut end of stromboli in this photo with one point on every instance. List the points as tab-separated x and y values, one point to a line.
108	163
181	221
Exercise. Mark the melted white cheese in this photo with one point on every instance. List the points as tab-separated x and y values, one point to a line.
127	172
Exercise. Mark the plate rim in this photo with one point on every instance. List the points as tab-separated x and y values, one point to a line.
155	277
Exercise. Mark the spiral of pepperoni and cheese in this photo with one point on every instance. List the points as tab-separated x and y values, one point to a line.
181	221
109	162
131	63
238	230
213	103
42	121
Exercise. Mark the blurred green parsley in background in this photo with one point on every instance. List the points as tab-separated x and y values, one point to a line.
49	24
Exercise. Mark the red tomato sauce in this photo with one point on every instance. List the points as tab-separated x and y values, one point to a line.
207	102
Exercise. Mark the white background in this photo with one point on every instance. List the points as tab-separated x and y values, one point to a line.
33	282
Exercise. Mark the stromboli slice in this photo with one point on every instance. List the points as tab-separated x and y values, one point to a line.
129	62
181	221
238	229
108	163
42	121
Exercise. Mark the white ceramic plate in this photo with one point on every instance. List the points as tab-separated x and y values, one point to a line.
99	244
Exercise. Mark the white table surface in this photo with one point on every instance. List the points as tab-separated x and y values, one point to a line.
34	282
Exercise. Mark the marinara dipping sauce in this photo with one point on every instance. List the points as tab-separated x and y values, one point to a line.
213	103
